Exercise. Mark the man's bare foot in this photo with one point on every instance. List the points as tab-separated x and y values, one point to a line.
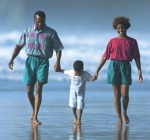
119	123
126	119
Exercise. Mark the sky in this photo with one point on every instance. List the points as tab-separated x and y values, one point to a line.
82	25
75	16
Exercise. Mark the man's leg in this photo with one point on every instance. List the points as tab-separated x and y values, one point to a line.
38	100
30	92
125	101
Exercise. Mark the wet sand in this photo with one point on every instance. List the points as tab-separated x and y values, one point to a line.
98	121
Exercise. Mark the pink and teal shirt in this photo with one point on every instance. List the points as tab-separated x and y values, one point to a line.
40	43
124	49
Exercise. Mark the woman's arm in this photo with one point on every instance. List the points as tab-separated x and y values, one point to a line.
138	64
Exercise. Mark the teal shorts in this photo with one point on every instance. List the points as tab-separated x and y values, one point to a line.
119	72
36	70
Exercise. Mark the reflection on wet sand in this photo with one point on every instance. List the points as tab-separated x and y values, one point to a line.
35	132
77	133
122	132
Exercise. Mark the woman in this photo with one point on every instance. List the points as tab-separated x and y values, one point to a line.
121	51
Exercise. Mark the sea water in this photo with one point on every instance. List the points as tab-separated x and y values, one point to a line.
98	120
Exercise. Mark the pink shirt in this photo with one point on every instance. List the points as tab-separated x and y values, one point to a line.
122	49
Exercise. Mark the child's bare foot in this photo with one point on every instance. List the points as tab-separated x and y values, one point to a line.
79	123
126	119
75	121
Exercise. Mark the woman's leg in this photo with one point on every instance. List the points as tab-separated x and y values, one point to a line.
117	102
125	101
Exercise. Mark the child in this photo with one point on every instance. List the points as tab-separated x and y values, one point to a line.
77	89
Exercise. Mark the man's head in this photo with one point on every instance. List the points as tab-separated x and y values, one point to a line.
39	19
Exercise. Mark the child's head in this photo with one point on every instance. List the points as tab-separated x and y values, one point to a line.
78	65
121	20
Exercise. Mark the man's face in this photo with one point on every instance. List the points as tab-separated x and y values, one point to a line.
39	22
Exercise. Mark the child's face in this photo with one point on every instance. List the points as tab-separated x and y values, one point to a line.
78	73
121	29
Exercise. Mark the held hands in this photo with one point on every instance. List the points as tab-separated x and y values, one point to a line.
57	67
95	76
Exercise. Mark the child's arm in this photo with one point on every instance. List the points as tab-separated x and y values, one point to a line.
61	70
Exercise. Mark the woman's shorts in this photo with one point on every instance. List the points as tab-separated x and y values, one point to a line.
119	72
36	70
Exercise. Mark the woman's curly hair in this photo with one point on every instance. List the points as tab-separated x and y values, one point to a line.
121	20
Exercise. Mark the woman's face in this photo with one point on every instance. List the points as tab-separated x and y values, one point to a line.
121	29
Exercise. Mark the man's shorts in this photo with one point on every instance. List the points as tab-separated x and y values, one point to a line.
36	70
76	99
119	72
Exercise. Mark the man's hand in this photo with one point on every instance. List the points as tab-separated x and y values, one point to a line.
57	67
10	64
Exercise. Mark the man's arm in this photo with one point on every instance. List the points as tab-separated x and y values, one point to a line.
57	66
14	55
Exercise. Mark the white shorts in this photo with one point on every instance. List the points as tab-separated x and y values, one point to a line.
76	99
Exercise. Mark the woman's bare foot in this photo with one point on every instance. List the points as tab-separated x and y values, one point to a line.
126	119
32	116
36	122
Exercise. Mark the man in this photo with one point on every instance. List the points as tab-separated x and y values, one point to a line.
40	41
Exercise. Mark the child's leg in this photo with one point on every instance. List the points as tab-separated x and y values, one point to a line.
79	116
125	101
75	115
117	103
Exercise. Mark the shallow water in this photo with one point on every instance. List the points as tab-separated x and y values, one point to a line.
98	120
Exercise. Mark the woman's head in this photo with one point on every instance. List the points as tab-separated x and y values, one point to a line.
121	20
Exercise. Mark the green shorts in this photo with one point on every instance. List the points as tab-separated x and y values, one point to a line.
36	70
119	72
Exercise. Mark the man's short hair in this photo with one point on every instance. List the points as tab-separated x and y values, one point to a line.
40	14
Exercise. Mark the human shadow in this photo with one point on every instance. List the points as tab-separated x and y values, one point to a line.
122	132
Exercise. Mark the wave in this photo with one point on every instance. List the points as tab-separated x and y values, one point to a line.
88	48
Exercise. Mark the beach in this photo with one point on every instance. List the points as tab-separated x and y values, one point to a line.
98	120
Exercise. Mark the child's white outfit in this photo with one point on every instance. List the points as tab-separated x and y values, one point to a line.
77	88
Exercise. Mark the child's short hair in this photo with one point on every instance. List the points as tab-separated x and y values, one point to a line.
121	20
78	65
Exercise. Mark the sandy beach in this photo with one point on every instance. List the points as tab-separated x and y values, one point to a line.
98	121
